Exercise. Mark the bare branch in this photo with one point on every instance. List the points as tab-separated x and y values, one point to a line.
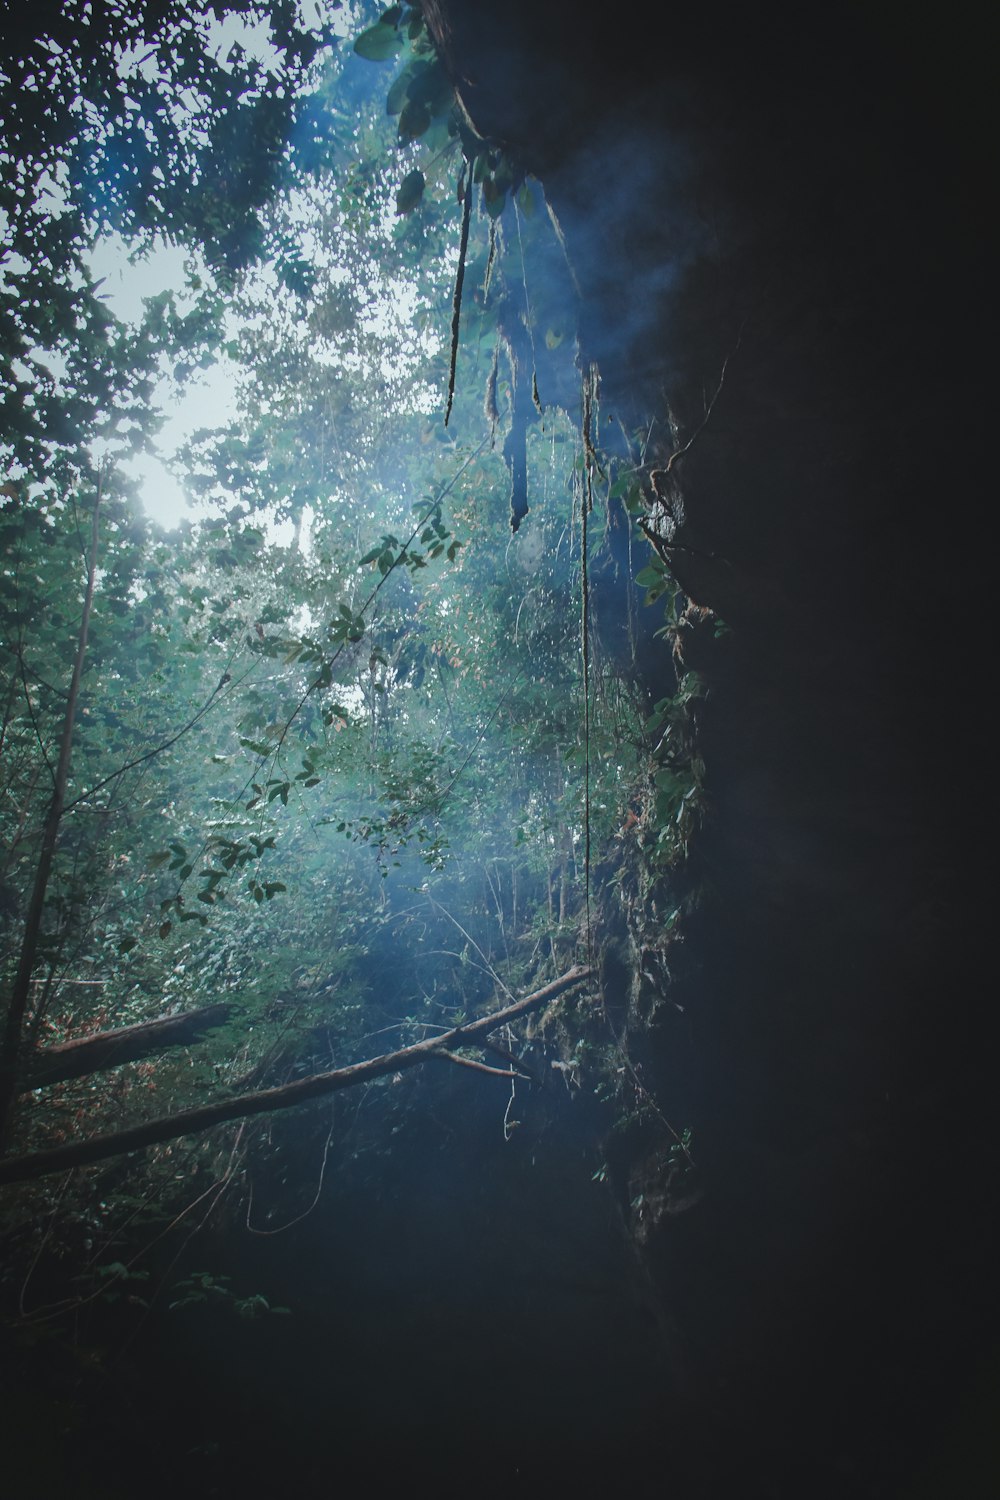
480	1067
106	1049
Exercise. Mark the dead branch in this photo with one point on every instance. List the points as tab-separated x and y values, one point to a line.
106	1049
286	1096
480	1067
517	1063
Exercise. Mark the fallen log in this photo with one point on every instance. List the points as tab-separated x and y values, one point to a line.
285	1096
106	1049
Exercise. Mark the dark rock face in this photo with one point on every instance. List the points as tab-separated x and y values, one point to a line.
776	221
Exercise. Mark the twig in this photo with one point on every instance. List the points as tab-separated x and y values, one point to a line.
480	1067
516	1062
711	405
316	1196
490	970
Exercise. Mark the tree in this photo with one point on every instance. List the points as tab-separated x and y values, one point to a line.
381	697
17	1009
135	122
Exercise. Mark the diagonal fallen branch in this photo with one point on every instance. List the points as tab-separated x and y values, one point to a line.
286	1096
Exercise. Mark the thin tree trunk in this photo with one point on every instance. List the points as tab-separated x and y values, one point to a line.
106	1049
18	833
266	1101
11	1041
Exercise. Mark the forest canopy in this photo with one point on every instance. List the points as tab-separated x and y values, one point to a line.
332	764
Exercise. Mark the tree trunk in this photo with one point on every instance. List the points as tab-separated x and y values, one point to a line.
11	1042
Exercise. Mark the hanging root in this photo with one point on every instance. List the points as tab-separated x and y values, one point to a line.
590	386
491	257
456	306
515	455
529	319
490	407
561	241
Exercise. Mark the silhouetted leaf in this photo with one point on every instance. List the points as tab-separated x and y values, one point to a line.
379	42
411	190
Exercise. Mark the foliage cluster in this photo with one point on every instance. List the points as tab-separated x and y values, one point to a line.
346	779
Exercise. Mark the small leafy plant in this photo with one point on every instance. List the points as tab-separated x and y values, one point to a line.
202	1287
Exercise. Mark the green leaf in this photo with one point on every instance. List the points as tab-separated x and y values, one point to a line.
494	196
113	1268
411	190
431	86
396	97
379	42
